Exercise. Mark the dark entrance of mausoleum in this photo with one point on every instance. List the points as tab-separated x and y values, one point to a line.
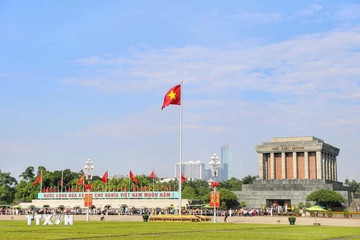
278	202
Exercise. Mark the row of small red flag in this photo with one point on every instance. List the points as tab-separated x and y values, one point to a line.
104	178
152	176
93	189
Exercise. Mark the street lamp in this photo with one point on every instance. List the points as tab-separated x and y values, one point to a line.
214	164
88	169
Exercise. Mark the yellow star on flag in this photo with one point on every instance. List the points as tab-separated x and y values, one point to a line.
172	95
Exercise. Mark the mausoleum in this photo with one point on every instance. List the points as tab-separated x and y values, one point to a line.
290	168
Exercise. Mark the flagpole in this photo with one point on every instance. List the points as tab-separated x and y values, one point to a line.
41	180
62	180
107	177
129	183
180	152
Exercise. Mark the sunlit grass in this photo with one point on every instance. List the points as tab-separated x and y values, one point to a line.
171	230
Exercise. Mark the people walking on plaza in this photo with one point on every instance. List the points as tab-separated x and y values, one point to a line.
226	216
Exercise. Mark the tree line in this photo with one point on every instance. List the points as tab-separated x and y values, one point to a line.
353	185
13	192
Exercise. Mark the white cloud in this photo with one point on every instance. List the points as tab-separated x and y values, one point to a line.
348	12
312	10
310	65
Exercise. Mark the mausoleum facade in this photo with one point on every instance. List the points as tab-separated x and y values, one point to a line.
290	168
297	158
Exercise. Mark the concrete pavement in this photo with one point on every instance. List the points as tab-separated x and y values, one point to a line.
323	221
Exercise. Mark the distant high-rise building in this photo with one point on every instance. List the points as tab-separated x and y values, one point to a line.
226	161
223	172
192	170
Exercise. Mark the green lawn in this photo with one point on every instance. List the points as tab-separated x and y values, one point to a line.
167	230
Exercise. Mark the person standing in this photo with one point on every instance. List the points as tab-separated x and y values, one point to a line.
226	216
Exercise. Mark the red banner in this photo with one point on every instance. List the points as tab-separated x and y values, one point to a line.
88	200
215	199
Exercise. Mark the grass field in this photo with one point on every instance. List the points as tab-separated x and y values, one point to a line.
169	230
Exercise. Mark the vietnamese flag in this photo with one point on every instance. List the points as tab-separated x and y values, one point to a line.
81	180
104	178
132	177
183	178
38	180
173	96
152	175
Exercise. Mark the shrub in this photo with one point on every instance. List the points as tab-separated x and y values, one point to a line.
329	211
145	217
292	220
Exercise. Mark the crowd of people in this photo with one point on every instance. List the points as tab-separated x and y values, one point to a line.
138	211
108	210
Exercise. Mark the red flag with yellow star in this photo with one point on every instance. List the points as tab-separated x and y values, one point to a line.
173	96
81	180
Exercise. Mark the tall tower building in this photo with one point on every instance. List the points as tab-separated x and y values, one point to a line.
226	161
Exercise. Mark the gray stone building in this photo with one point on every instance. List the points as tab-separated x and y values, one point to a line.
290	168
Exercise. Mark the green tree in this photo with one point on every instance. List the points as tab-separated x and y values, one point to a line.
201	189
113	184
353	185
229	198
189	193
28	173
25	191
223	205
248	179
326	197
7	191
233	184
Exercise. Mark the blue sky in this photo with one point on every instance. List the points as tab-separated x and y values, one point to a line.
84	79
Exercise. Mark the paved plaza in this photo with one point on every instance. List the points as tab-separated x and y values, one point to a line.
323	221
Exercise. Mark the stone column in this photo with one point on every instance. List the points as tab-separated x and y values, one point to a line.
329	169
318	165
335	169
294	166
306	164
323	166
266	160
261	165
332	168
327	166
283	167
272	166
